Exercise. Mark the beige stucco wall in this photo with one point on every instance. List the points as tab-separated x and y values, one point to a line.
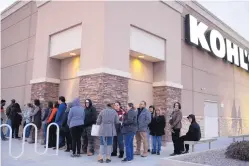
69	82
17	50
140	85
222	82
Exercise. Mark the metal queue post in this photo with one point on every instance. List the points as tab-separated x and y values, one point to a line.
36	131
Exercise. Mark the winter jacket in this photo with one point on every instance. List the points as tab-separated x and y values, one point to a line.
176	120
194	131
129	124
52	116
120	113
143	119
76	116
14	115
90	115
8	110
157	126
36	117
107	120
64	125
61	110
27	115
46	114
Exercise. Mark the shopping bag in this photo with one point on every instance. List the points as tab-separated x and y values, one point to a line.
95	130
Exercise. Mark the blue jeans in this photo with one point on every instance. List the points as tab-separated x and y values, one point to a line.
157	143
45	132
106	141
27	132
129	146
8	130
118	142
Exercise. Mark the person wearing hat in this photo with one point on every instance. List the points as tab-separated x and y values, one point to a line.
193	134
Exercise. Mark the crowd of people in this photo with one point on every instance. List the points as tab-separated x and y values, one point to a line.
117	127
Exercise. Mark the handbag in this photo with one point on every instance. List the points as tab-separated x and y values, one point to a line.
95	130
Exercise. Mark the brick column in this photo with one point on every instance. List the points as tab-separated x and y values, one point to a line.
103	89
45	92
164	98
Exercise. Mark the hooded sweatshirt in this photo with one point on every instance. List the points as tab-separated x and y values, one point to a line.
90	114
64	124
76	114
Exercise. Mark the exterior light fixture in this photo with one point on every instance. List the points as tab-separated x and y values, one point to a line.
72	53
140	56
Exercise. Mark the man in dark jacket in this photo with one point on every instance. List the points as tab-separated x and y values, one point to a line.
193	134
90	119
8	110
65	132
58	119
16	119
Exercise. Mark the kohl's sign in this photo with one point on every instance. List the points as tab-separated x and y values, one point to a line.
197	33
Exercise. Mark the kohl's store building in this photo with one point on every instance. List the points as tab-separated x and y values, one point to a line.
160	52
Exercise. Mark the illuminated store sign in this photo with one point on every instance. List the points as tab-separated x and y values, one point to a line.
197	33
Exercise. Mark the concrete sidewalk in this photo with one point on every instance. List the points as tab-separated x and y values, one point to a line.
30	158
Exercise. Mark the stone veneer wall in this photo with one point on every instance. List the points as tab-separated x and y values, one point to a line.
103	89
45	92
164	98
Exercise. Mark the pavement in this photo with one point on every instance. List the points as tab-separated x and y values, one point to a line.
30	158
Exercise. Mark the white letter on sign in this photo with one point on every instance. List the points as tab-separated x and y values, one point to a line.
242	58
197	33
221	51
232	52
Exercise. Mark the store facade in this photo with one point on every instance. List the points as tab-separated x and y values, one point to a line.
130	51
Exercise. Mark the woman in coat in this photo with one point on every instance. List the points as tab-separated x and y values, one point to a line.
157	131
52	129
129	129
35	119
75	122
107	120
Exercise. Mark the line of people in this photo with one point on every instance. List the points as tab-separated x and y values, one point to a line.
117	127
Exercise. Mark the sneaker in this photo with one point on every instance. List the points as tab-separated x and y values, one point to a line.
125	160
62	147
114	154
89	154
101	161
137	153
77	155
185	152
148	150
173	154
73	155
67	150
158	153
144	155
108	160
153	152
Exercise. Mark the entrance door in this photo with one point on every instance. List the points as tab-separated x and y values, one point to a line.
211	124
